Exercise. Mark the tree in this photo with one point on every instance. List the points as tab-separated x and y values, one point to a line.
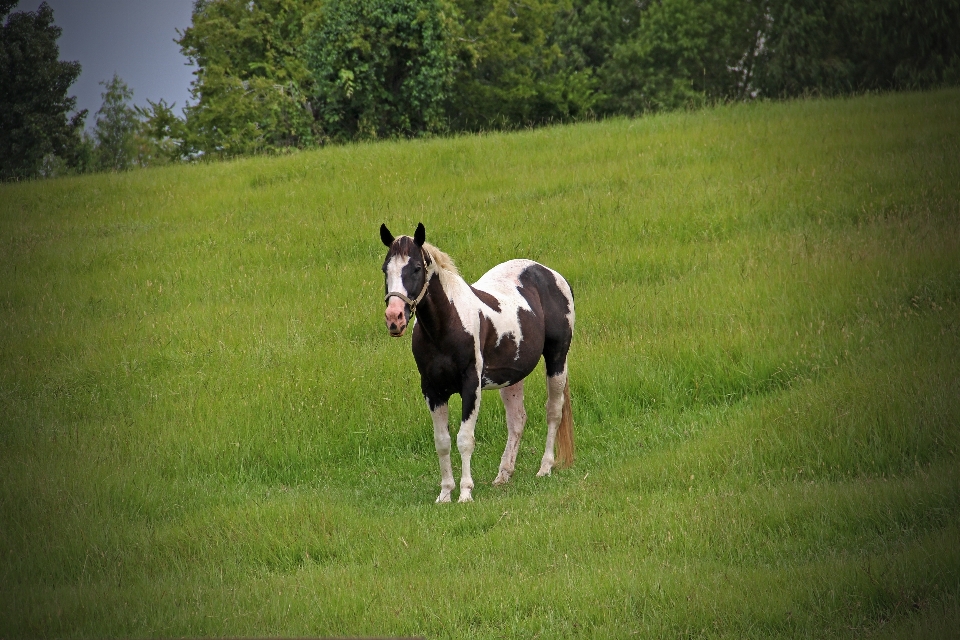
683	52
518	68
274	74
162	134
116	127
252	83
838	46
34	127
250	38
381	68
237	117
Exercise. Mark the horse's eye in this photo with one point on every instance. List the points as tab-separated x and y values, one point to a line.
416	269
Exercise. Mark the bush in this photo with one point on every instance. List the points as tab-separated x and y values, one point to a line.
381	68
515	71
833	47
251	86
683	52
238	117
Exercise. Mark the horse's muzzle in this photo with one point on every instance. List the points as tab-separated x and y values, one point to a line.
395	317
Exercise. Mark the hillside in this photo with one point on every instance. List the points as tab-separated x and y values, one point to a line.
206	431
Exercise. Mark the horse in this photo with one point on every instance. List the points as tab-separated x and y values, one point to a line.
488	335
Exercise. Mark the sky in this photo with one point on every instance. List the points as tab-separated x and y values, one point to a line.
132	38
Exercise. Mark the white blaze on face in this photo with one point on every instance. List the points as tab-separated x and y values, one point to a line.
395	275
395	306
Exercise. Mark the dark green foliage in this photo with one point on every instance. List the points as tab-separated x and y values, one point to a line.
236	117
116	127
251	85
514	71
36	136
682	52
588	31
275	74
78	157
548	61
837	47
259	38
540	60
381	67
162	133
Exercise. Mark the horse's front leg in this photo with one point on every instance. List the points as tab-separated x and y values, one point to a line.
470	395
441	439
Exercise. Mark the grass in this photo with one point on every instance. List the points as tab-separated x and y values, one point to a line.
205	430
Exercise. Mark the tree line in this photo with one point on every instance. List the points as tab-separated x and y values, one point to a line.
280	74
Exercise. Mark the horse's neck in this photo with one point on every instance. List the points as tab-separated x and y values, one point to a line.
436	312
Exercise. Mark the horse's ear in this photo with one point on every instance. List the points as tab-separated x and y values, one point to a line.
385	236
420	235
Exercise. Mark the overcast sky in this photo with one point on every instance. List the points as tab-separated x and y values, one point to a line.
132	38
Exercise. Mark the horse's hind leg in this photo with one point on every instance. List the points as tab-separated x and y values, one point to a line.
512	397
555	387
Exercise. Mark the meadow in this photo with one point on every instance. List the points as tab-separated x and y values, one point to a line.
205	429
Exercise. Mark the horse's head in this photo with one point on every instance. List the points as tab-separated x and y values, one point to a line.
405	273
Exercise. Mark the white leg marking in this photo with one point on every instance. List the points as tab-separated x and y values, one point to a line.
555	387
466	444
441	439
512	397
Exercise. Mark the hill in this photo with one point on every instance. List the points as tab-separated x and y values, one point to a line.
205	429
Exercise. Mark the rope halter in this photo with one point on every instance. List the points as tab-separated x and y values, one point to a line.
415	301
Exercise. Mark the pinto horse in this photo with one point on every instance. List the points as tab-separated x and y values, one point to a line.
489	335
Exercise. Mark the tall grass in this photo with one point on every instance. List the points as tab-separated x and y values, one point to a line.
205	430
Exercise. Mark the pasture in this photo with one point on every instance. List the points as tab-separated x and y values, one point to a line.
205	429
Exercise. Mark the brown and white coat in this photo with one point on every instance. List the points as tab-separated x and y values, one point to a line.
489	335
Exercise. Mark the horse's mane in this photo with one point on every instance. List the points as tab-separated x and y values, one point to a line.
446	267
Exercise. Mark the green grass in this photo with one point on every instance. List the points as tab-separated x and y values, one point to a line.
205	430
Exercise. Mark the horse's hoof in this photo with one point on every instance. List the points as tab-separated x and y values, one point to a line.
544	471
502	478
443	497
465	497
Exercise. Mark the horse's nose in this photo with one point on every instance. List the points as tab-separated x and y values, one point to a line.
394	312
396	328
394	316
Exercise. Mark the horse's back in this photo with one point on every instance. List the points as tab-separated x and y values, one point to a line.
545	293
503	279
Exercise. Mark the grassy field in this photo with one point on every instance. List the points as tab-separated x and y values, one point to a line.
205	429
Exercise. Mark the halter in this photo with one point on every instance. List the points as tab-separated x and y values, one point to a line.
415	301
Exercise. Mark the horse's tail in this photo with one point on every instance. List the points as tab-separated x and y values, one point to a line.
565	431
